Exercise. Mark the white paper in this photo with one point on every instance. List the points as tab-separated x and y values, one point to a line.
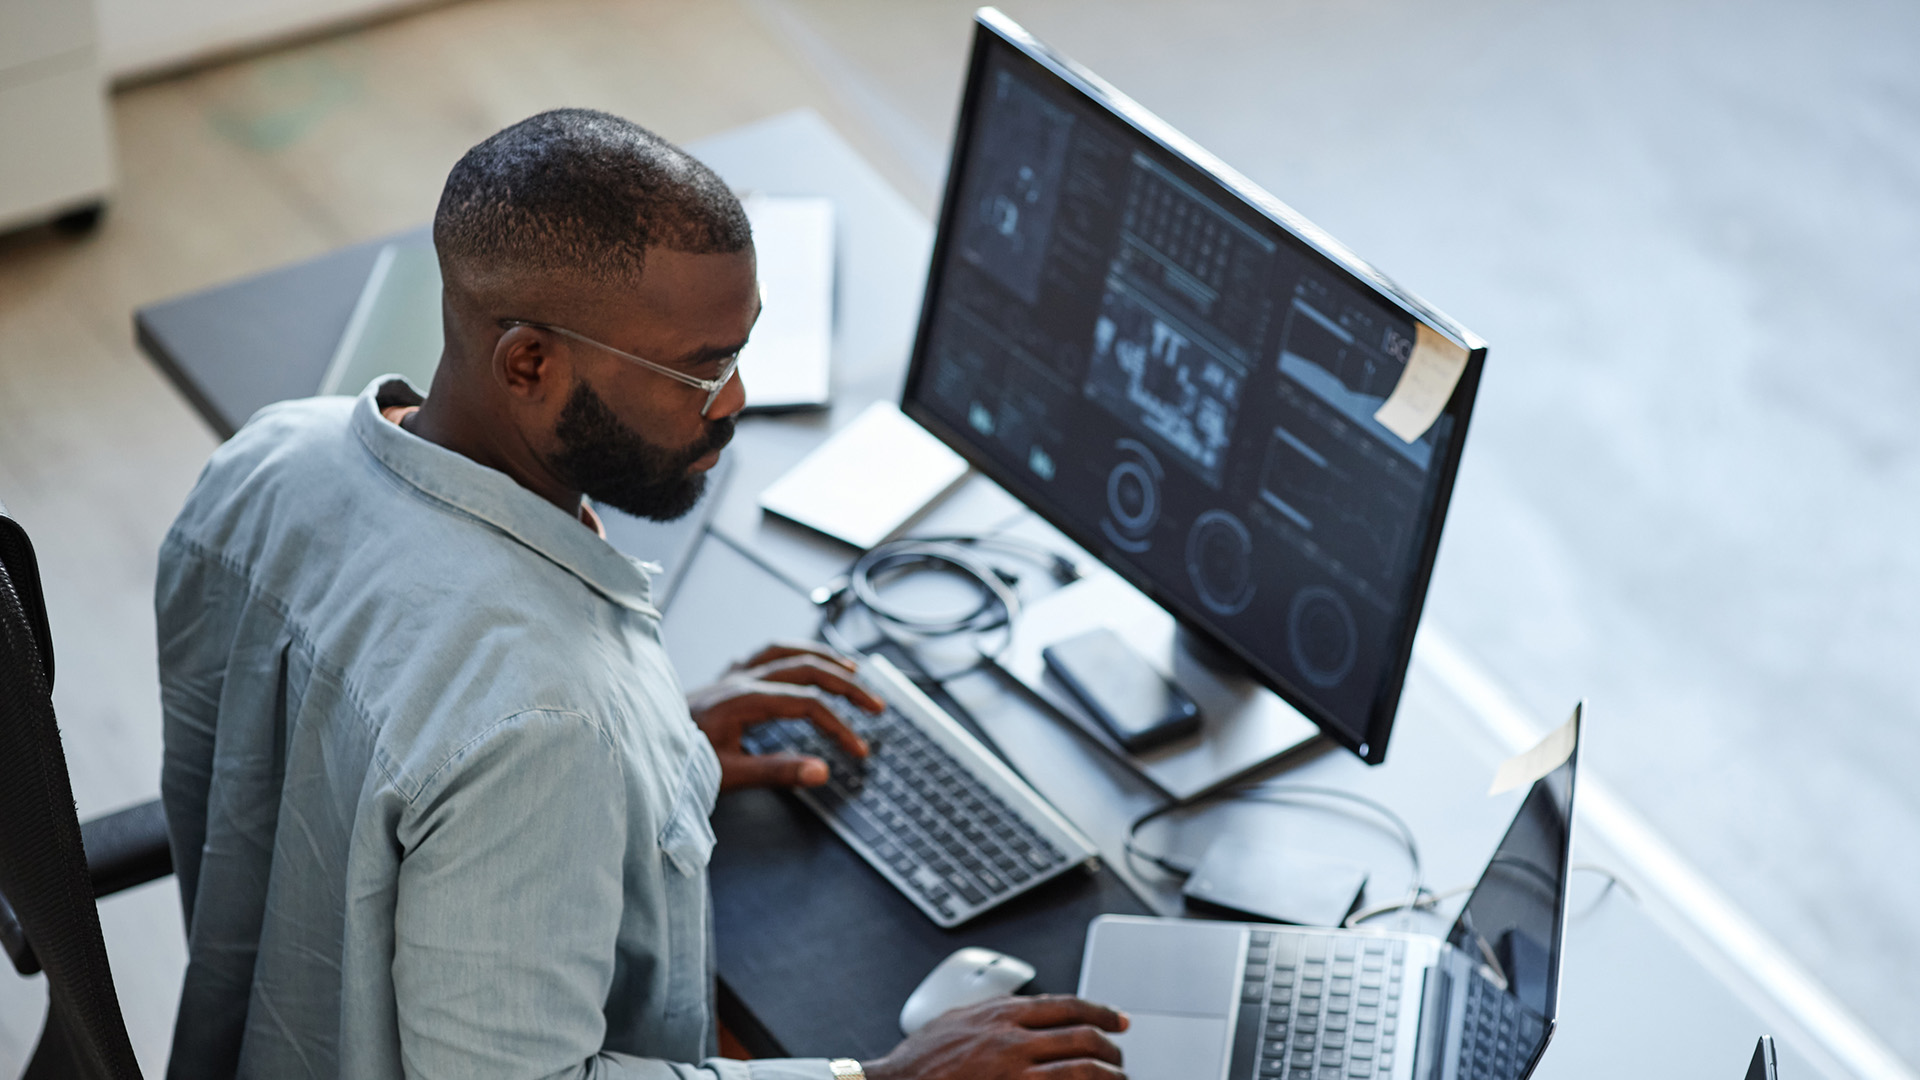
1549	754
1424	387
787	361
869	480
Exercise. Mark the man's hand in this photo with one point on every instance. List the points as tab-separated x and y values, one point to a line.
784	681
1053	1037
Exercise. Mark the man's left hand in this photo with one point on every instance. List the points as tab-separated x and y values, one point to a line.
781	682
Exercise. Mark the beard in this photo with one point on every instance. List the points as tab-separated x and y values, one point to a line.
617	466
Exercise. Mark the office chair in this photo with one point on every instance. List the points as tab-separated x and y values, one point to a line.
51	866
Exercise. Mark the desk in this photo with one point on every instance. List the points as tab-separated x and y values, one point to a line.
815	951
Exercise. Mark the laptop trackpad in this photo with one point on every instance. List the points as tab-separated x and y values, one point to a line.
1159	1047
1169	966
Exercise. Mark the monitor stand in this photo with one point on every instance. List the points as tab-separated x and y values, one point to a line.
1244	726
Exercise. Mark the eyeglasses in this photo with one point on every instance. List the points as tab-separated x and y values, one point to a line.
711	386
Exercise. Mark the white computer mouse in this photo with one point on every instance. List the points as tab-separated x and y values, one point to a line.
971	975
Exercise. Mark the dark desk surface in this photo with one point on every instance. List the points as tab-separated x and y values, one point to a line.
816	953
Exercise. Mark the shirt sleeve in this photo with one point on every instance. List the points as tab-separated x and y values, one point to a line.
508	909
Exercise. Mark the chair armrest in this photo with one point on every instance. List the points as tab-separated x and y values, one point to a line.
15	941
127	848
124	849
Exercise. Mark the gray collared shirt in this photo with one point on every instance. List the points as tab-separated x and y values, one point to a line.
436	802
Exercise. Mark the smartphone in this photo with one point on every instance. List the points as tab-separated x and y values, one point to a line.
1764	1065
1137	705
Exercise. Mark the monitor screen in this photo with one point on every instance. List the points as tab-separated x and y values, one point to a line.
1181	374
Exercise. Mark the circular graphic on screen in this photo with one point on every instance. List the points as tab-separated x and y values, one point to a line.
1220	561
1322	636
1133	497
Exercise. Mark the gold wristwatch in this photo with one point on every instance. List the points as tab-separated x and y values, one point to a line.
846	1069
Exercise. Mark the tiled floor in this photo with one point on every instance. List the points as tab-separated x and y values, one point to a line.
1690	230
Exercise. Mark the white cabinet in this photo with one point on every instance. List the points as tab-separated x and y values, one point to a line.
54	153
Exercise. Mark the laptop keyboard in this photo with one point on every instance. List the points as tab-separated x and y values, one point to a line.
919	815
1328	1007
1499	1035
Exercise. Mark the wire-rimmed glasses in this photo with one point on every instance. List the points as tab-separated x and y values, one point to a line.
712	386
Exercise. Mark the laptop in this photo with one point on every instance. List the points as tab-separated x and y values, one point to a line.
1763	1067
1235	1001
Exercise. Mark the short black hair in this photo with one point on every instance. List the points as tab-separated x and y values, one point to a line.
585	191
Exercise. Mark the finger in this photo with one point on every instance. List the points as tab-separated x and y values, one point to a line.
1075	1070
771	770
806	701
813	671
828	723
1060	1010
760	702
1071	1043
780	650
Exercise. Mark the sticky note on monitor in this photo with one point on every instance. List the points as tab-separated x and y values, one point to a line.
1424	387
869	480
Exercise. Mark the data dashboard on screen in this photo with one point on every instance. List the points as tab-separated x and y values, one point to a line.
1184	384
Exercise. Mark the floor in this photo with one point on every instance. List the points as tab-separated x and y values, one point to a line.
1690	230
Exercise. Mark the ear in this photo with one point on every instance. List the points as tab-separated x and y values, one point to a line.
531	364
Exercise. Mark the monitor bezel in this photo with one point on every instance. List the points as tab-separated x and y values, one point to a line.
993	29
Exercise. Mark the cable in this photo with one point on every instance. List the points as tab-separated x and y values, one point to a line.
1062	568
997	607
1280	794
1426	900
1613	881
1429	899
996	610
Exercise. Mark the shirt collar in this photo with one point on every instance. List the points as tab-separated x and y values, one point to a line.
493	497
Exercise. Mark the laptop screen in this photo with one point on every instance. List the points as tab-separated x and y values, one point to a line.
1512	924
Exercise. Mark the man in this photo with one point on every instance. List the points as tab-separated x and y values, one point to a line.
438	804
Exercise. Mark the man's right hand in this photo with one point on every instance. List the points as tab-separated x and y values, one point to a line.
1053	1037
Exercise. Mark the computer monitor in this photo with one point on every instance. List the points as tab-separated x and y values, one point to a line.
1181	374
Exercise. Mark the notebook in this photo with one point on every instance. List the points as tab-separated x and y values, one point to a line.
787	362
395	327
869	480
